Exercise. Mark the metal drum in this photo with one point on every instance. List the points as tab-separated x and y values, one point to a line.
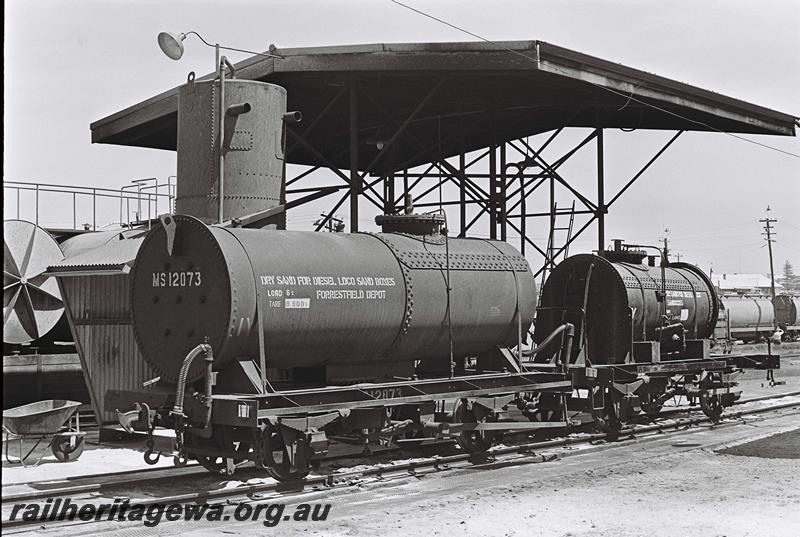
621	303
32	303
361	305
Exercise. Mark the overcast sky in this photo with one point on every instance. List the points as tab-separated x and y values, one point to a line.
68	63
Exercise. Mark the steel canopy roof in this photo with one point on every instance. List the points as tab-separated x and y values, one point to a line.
484	95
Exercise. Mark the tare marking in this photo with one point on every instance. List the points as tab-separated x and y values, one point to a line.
298	303
189	278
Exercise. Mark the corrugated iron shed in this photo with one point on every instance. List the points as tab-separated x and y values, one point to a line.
96	288
488	93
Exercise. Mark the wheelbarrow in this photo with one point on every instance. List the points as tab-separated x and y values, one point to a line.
43	419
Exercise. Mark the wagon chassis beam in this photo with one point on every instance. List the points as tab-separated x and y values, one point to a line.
295	402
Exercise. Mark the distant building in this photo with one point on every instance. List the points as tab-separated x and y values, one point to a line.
743	284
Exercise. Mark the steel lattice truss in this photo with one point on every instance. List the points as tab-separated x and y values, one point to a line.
494	187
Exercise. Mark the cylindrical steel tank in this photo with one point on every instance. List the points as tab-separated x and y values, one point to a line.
749	315
253	149
362	305
621	303
786	310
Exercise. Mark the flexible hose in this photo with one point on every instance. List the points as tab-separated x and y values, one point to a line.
203	348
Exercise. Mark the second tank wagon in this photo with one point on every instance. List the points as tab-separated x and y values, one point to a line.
621	303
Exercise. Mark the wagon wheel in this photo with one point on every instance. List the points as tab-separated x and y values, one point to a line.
649	405
212	463
67	448
607	418
472	441
549	408
283	461
711	406
217	464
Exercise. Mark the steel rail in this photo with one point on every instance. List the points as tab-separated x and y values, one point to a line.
195	466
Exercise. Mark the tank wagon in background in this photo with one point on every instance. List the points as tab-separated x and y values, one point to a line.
753	319
787	313
642	333
633	311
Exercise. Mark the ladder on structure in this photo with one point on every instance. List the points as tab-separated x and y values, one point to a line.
553	252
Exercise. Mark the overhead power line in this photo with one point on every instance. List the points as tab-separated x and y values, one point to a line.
627	96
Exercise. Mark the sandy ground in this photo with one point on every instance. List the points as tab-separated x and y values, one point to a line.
96	459
665	488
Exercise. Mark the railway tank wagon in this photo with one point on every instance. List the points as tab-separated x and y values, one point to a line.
748	318
641	332
350	306
626	310
786	313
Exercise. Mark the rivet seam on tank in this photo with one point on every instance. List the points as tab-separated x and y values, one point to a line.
211	160
420	260
259	174
245	147
234	302
429	239
669	284
409	311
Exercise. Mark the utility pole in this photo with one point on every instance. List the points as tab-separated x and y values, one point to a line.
768	232
678	255
332	224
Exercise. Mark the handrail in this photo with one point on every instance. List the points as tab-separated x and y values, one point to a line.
67	188
150	198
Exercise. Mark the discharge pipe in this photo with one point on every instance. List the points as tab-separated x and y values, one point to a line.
566	346
203	348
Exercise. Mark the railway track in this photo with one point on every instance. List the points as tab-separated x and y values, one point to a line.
330	480
97	482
